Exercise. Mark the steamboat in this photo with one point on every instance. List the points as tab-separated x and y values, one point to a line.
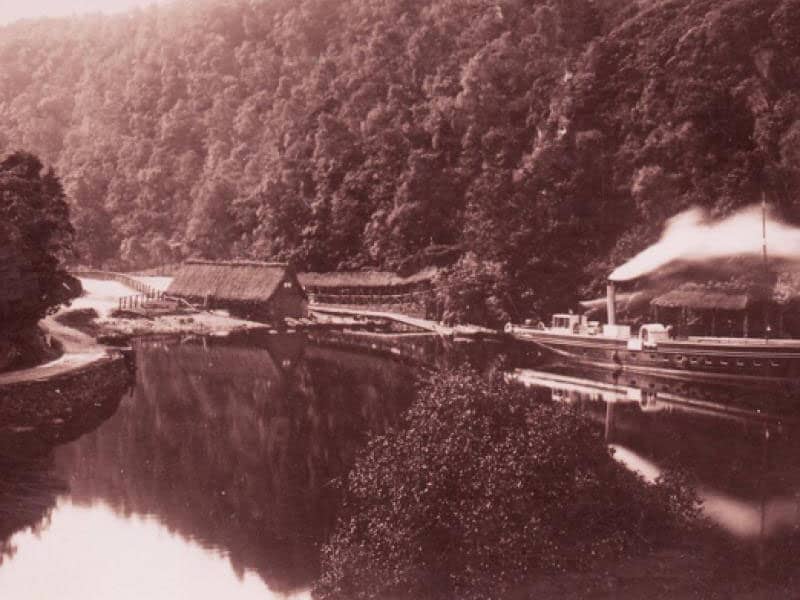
654	349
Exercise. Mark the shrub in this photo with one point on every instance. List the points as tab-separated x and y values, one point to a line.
482	489
82	319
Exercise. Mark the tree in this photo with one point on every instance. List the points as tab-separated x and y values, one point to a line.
35	214
549	137
474	291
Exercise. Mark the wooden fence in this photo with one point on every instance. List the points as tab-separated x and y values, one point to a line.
139	300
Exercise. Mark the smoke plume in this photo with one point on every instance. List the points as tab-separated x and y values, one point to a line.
692	237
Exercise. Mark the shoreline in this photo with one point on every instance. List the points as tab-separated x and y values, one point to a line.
78	350
53	397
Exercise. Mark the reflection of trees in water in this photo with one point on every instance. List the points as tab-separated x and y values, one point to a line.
29	483
238	447
726	453
29	489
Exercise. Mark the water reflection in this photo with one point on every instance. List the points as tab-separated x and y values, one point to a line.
744	462
221	466
217	475
30	483
29	489
95	553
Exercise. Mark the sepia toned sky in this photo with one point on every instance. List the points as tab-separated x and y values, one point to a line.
11	10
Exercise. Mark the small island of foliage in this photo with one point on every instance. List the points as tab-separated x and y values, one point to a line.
483	489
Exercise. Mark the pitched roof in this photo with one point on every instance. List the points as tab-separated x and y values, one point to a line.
240	280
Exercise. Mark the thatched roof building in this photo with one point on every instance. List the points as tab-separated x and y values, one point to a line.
366	282
228	280
252	289
730	308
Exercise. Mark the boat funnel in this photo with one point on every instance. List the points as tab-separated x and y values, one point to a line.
611	302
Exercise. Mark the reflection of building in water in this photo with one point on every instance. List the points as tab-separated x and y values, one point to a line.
745	463
238	446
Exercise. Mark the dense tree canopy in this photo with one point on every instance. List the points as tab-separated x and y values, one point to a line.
34	220
548	138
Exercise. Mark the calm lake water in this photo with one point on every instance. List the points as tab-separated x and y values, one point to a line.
212	477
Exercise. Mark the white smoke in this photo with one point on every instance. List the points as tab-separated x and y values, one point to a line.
692	237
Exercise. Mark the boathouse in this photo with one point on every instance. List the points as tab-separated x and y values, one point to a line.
260	291
705	309
734	308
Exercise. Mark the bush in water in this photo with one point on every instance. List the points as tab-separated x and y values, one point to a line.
483	488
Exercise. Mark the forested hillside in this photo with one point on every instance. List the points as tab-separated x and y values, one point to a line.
543	140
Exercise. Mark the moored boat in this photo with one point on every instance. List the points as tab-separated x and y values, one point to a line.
654	349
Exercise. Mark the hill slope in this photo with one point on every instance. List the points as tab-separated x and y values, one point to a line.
549	138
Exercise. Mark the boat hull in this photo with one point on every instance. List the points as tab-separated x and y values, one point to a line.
695	359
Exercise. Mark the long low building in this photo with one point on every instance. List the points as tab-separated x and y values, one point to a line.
259	291
379	290
373	283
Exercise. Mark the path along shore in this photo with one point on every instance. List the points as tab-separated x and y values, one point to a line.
80	349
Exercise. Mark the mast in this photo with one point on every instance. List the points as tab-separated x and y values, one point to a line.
764	254
764	227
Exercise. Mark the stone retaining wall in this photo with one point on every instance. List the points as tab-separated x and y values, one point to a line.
61	399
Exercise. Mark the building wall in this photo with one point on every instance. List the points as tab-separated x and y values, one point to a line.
288	301
285	302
